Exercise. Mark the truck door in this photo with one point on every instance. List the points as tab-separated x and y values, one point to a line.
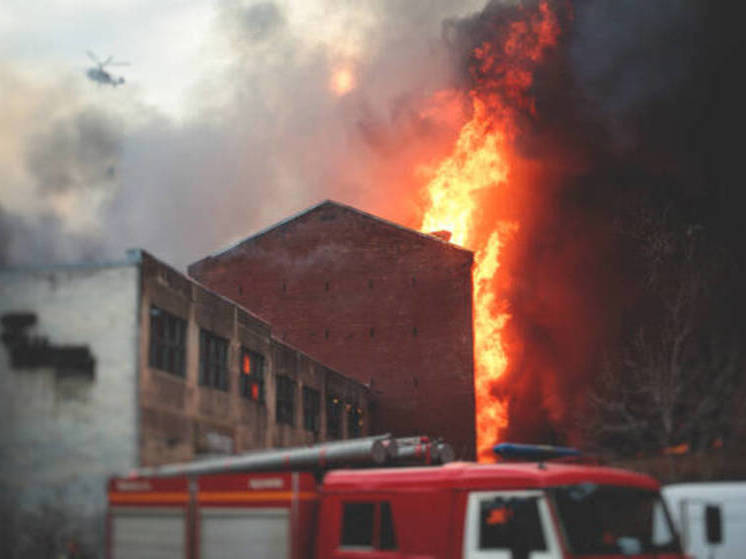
148	533
697	540
509	525
228	533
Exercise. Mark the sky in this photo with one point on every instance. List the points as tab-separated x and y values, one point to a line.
163	41
280	104
171	45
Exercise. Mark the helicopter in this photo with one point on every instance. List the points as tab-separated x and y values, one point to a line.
98	74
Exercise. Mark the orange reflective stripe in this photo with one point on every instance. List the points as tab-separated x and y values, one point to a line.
215	496
150	497
208	497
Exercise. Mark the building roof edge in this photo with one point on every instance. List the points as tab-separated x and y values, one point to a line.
132	258
310	209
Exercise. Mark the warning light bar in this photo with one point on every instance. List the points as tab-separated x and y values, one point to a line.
533	452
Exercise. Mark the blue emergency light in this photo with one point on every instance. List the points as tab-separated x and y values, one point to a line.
533	452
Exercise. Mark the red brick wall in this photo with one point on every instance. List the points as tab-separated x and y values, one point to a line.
380	304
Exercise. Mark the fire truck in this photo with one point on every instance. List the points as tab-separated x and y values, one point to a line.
387	498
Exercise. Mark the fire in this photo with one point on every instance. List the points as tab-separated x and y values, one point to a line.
678	449
342	81
481	163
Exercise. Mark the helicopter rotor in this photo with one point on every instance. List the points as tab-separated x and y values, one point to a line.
108	62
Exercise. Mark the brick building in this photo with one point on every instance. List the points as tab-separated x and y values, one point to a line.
388	306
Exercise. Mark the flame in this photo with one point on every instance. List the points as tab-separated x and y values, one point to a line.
342	81
676	450
481	163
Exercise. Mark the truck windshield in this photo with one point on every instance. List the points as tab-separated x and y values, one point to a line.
610	520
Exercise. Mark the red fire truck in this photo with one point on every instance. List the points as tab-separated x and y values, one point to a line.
288	504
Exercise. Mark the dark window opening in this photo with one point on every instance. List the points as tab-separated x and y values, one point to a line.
311	409
167	342
414	331
326	333
284	287
370	284
359	526
354	421
213	360
372	332
251	384
333	416
285	409
388	535
511	523
326	286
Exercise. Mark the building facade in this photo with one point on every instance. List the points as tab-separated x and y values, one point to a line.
107	367
389	306
214	379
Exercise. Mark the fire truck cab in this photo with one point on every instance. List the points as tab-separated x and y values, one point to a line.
498	511
539	510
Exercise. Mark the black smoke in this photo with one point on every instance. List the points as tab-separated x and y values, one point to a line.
632	152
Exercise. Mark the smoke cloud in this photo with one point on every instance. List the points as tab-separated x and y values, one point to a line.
264	135
77	152
632	119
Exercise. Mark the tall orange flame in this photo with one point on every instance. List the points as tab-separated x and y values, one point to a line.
480	162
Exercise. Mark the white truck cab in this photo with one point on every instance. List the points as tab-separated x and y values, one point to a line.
710	518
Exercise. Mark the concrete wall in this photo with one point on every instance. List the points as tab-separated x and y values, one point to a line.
182	420
385	305
65	429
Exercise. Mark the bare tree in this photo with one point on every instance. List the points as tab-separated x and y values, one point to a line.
675	380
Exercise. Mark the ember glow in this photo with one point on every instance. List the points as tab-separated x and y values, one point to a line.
342	81
480	163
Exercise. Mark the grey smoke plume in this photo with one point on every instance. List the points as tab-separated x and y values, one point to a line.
78	151
258	22
43	239
264	137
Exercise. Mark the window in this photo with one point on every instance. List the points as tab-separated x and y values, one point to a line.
213	360
311	409
285	400
251	383
359	526
510	523
354	421
167	341
609	520
388	536
333	416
